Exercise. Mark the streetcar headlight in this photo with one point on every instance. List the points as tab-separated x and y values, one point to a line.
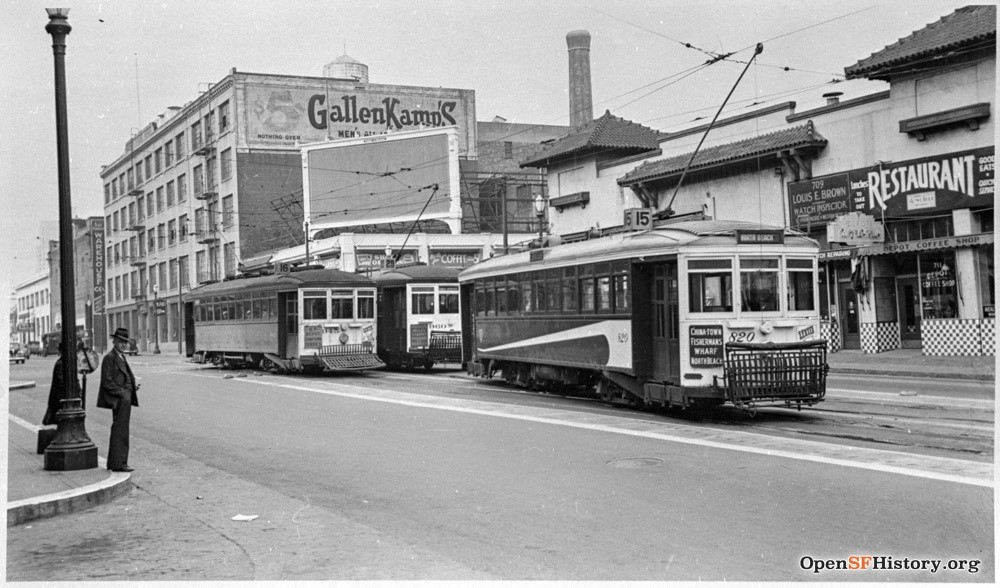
343	338
766	328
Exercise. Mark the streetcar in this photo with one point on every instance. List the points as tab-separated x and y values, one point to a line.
688	314
419	323
313	320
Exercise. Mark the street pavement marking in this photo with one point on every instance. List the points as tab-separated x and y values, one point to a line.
921	466
848	393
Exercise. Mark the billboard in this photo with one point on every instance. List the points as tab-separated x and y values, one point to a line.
286	112
963	179
399	177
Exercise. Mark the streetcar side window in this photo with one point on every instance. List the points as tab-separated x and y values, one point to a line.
500	297
800	284
210	310
256	305
587	286
366	304
569	289
759	284
538	283
240	308
553	290
341	304
448	300
480	299
513	295
710	285
620	287
526	293
314	305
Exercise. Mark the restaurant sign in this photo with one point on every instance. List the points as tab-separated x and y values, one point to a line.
963	179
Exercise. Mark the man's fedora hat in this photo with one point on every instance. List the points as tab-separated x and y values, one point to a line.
121	333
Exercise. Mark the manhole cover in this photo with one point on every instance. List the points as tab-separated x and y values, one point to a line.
635	462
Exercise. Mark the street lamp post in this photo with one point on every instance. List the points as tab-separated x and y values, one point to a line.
156	321
72	448
540	213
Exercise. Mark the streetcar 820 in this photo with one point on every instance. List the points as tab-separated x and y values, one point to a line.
686	314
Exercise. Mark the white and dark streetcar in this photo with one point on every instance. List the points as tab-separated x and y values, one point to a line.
419	320
686	314
311	320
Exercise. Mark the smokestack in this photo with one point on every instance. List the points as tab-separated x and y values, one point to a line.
581	107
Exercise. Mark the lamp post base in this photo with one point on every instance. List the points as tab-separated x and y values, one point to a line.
72	448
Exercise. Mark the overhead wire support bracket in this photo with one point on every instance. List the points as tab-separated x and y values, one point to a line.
669	211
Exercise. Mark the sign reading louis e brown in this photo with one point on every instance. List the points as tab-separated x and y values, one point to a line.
963	179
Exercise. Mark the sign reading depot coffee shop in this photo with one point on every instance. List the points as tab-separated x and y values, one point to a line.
309	110
962	179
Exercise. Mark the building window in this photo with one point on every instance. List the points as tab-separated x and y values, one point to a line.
210	174
938	285
918	229
209	128
149	166
161	236
170	193
508	150
181	188
152	239
107	194
201	267
158	160
199	185
182	228
150	203
227	164
159	199
196	136
223	117
171	232
114	221
163	276
182	270
229	258
179	146
168	153
131	179
227	211
140	210
138	174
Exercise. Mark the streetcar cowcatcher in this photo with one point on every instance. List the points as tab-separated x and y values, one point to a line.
775	372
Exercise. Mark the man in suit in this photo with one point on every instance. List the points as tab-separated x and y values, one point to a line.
118	392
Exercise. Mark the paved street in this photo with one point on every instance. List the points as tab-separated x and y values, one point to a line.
413	476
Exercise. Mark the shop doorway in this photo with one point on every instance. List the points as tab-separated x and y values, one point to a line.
850	331
908	298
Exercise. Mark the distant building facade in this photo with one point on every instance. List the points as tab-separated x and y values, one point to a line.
32	299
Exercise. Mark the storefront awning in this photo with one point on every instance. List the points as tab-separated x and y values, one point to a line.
908	247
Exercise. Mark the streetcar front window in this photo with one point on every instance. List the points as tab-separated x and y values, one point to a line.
366	304
448	299
341	304
710	285
422	300
759	284
800	284
314	305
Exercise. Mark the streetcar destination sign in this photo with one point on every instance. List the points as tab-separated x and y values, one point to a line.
705	345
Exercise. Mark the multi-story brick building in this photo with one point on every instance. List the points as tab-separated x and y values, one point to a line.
216	185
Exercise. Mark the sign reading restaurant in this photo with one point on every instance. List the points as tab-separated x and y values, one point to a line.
963	179
308	110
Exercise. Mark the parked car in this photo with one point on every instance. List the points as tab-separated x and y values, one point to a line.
18	352
133	348
34	347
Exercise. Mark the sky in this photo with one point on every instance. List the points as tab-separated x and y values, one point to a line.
128	61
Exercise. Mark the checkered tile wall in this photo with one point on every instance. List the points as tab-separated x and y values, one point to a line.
954	337
830	330
989	336
879	337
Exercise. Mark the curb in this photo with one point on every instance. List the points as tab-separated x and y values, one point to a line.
911	374
21	385
43	507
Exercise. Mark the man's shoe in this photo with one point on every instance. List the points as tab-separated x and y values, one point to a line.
123	469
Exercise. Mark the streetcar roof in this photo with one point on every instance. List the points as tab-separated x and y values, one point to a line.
319	278
662	240
416	274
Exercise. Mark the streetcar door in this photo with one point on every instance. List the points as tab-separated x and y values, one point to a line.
189	342
666	346
288	324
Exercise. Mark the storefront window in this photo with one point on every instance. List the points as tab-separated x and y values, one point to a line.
937	285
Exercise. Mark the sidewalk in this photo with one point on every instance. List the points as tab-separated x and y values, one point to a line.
34	493
913	363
